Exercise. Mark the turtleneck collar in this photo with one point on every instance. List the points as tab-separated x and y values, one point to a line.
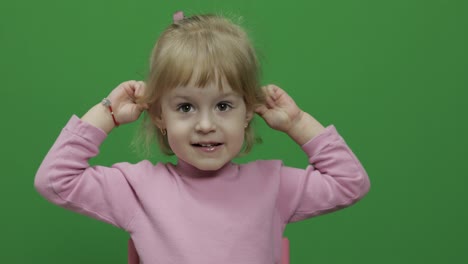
185	169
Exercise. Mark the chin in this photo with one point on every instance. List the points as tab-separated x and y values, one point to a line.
209	167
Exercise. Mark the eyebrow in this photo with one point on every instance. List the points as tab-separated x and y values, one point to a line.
186	97
180	97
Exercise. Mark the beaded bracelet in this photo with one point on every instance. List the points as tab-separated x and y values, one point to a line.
106	102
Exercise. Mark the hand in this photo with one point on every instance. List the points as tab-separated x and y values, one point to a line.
279	111
123	99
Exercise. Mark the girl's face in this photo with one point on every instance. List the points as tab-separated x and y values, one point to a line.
205	126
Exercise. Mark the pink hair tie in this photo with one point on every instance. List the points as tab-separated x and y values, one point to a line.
179	15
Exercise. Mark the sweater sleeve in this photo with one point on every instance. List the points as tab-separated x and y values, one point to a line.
333	179
65	177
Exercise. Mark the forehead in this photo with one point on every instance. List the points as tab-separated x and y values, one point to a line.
202	79
191	69
210	90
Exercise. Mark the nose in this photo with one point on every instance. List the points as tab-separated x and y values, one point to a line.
206	123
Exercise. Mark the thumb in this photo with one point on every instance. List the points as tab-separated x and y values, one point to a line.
261	109
140	92
140	89
142	107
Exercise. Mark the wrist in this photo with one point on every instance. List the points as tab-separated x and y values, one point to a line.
305	129
107	103
99	117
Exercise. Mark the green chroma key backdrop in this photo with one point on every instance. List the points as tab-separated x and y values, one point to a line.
390	75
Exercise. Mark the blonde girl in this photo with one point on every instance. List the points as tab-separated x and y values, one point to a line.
200	97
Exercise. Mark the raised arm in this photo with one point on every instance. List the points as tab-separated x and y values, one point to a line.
65	176
334	178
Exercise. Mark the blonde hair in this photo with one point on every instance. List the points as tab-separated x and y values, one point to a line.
200	50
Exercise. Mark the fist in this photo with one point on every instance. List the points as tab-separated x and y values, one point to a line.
279	110
123	99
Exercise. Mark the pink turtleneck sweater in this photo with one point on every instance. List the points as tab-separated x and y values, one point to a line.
177	214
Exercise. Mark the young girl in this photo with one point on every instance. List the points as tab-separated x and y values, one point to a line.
202	93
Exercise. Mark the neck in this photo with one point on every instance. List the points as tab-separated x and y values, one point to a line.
188	170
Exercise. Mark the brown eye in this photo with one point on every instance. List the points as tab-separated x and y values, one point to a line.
223	106
185	108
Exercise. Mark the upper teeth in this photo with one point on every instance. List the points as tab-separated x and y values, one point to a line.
206	145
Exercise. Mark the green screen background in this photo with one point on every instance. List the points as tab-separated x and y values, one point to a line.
390	75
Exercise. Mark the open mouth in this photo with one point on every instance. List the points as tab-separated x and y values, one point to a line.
206	145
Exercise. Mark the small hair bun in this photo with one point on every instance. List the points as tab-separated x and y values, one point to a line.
179	15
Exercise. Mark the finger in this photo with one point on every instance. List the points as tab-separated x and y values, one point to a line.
268	98
142	107
261	110
140	89
130	84
274	91
129	89
134	89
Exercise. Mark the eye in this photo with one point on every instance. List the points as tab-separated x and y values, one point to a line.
223	106
185	107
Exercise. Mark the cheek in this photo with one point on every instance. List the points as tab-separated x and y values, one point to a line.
236	131
176	142
173	123
176	131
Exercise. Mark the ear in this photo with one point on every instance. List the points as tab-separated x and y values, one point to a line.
158	121
248	116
